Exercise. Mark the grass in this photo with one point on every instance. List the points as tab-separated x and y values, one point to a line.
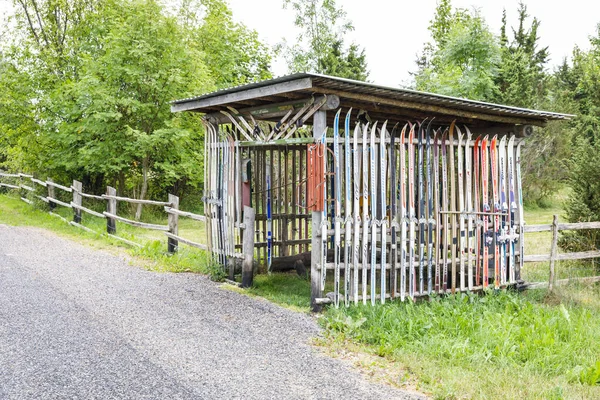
501	345
152	253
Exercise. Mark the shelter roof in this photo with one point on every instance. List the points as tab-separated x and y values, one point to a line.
380	102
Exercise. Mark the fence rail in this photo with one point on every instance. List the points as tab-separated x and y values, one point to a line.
555	228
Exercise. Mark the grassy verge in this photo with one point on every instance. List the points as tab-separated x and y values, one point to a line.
152	253
503	345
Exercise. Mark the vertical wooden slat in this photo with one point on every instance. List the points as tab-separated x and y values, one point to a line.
77	189
173	224
553	252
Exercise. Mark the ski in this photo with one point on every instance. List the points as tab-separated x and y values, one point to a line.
521	217
430	219
460	240
373	214
513	209
357	219
469	208
486	238
393	216
503	209
403	214
348	210
269	217
324	212
478	221
421	205
337	185
383	210
365	210
454	239
412	283
444	224
495	199
438	205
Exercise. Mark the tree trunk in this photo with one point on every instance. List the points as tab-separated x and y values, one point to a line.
138	212
121	186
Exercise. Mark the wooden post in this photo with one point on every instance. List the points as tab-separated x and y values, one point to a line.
553	252
111	208
51	204
248	247
319	125
77	189
172	244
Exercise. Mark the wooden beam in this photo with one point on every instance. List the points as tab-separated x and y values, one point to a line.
273	111
430	108
232	97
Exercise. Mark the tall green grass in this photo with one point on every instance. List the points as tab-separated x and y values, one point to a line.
502	345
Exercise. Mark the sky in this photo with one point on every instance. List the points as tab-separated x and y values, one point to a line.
393	32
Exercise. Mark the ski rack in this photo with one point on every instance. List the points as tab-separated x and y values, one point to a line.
407	212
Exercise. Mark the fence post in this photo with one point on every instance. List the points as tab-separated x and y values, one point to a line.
553	252
51	204
77	188
248	247
173	224
111	208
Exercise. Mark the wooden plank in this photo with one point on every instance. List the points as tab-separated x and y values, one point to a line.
173	224
28	188
536	258
430	108
196	217
60	217
87	210
5	175
553	251
186	241
137	223
49	182
60	203
21	175
578	226
129	242
248	248
42	198
248	94
537	228
27	200
579	256
51	205
543	285
42	183
137	201
85	228
77	199
9	186
111	207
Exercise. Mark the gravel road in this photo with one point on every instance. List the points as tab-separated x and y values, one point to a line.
80	323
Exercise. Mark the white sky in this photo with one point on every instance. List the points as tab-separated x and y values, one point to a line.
393	32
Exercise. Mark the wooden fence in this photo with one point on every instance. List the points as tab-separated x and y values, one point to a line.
554	256
25	183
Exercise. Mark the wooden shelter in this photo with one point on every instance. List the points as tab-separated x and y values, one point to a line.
400	195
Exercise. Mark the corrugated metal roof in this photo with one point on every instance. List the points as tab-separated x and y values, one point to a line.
324	83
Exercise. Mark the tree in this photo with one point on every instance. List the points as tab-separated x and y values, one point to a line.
320	46
522	77
86	85
463	58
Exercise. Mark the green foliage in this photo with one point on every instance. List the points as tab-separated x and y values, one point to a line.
514	338
581	83
320	45
86	85
463	59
